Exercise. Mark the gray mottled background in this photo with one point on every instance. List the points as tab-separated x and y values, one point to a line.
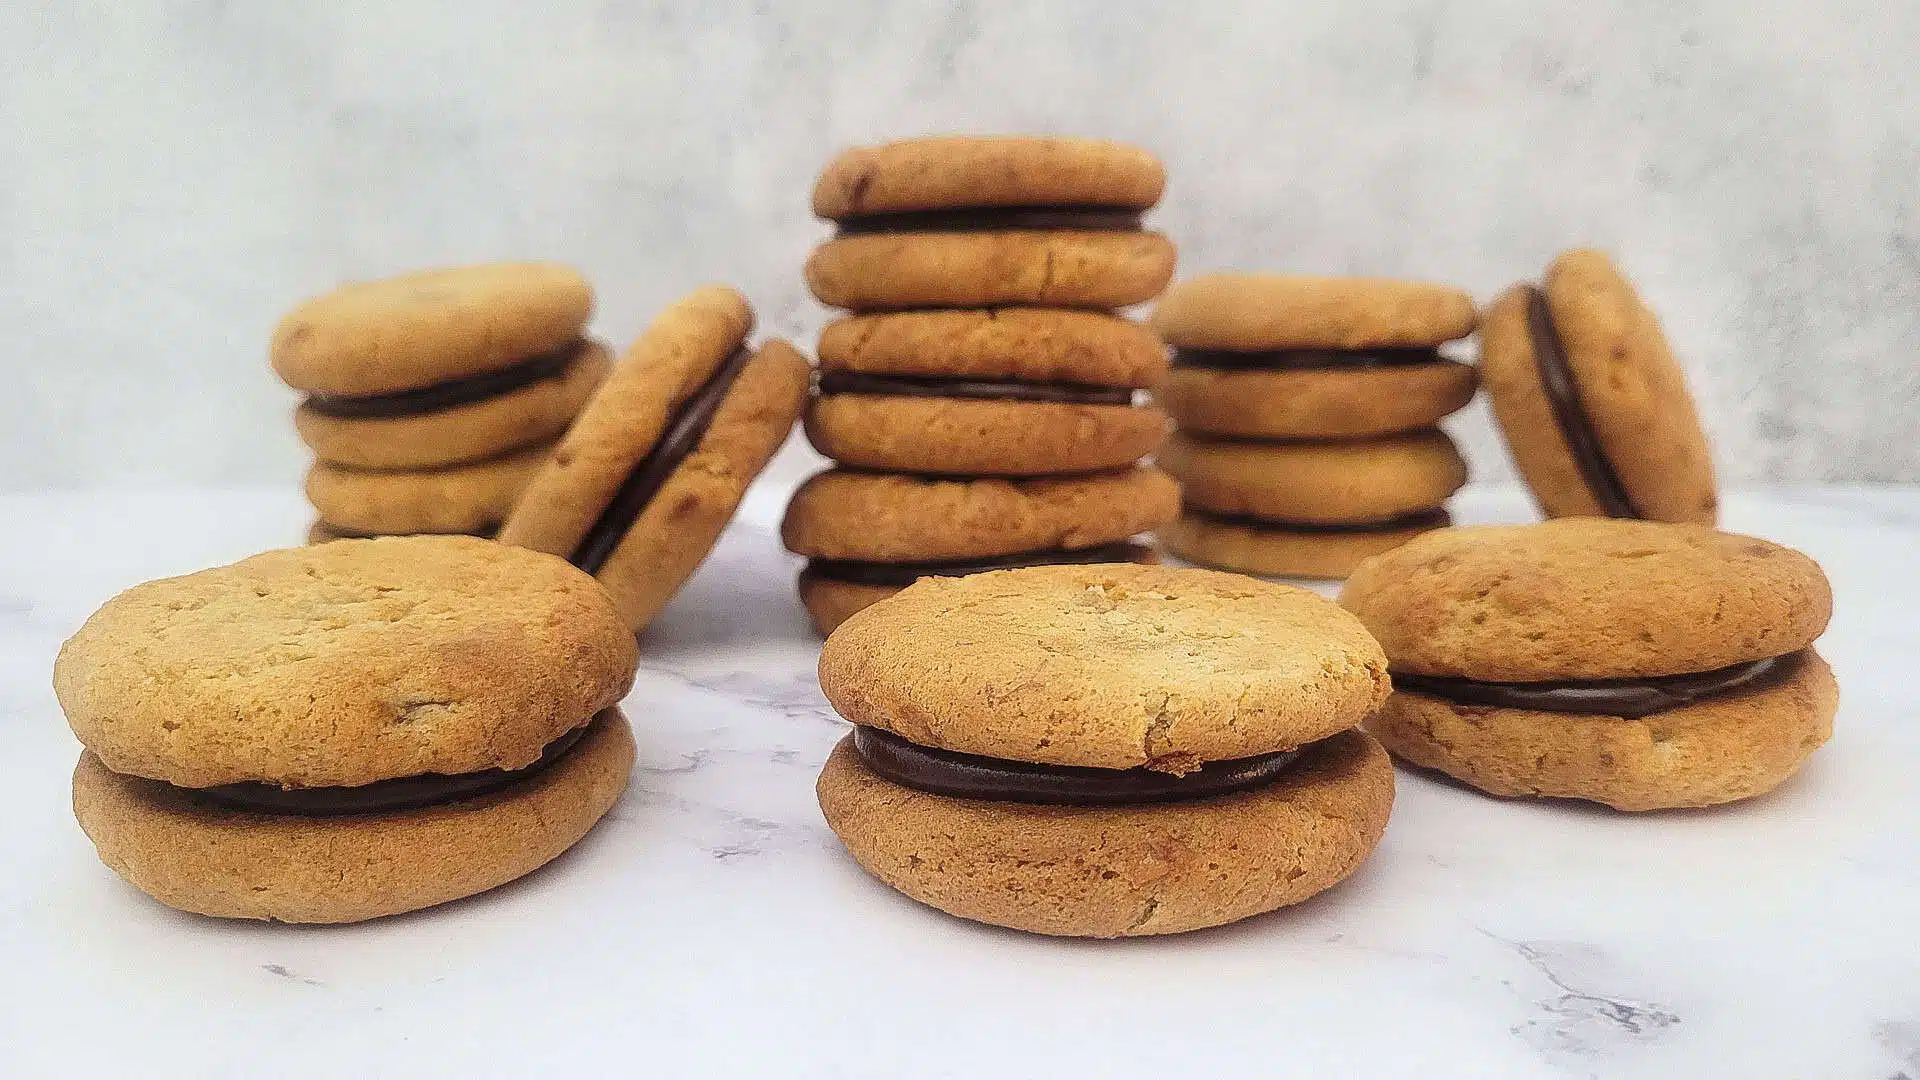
174	173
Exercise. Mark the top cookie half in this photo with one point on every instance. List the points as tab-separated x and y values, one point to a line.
1261	312
955	171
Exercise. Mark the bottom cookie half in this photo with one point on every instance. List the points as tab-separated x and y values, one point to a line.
1276	551
1122	871
1722	749
287	868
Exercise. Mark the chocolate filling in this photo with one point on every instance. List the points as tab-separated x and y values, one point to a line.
1563	395
1419	519
1631	698
993	219
851	382
904	574
682	435
383	796
967	776
1303	359
453	392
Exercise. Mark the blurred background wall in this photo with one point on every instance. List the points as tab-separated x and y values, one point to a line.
175	173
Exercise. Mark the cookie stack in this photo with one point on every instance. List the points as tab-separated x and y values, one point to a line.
432	398
980	400
1306	408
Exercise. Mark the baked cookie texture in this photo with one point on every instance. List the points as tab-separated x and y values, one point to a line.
1040	345
959	437
469	498
1321	403
984	170
1318	483
831	601
1630	388
1597	599
1250	548
891	271
1254	312
198	857
343	664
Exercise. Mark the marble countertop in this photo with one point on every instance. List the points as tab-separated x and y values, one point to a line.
713	926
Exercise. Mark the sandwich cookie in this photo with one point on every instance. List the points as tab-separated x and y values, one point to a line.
866	536
1307	509
1014	392
982	221
470	498
335	733
639	489
440	367
1591	402
1105	751
1642	665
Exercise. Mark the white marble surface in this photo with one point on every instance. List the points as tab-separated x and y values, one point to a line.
175	173
712	926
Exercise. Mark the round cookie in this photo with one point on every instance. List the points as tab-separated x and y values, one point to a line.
199	857
876	517
1331	483
1109	666
535	413
831	601
1249	548
470	498
973	170
959	437
1118	871
642	484
1041	345
1587	598
1719	750
416	330
1626	390
1055	268
1320	403
1252	312
344	664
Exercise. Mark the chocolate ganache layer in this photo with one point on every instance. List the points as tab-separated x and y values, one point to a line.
1630	698
995	219
383	796
1420	519
453	392
1303	359
682	435
904	574
1576	427
967	776
851	382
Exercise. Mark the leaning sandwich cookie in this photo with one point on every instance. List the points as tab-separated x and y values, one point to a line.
340	732
1638	664
639	489
1105	750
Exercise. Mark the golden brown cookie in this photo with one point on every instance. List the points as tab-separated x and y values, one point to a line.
470	498
1118	871
1042	345
1324	483
534	413
830	600
1591	401
639	489
946	171
1297	311
877	517
1724	748
420	329
1053	268
1332	402
1250	547
959	437
190	854
1110	666
1587	598
345	663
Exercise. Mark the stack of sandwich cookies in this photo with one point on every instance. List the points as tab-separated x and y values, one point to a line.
336	733
432	397
1021	420
1638	664
1306	409
1105	751
643	483
1591	401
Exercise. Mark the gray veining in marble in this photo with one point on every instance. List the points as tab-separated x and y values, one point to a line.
173	173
